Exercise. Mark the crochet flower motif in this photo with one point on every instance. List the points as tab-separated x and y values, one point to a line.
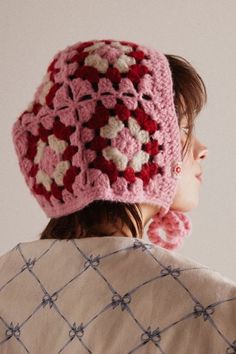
121	151
49	164
46	157
50	150
125	144
101	54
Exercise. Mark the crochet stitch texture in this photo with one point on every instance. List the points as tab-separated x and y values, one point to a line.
102	125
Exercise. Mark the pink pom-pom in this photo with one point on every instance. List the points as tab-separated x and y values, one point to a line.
176	227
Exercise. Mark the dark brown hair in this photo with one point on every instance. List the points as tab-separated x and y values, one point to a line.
190	94
189	98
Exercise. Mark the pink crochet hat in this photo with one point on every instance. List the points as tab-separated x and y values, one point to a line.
102	126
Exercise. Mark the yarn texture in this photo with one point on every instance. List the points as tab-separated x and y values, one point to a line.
175	225
102	125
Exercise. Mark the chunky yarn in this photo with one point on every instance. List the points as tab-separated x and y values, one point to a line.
175	225
101	125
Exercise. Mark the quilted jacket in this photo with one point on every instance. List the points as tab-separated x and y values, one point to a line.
112	295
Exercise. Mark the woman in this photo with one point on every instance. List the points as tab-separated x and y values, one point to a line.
106	146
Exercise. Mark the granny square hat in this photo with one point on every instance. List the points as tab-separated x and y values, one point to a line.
102	125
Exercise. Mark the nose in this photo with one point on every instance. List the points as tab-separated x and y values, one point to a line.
201	151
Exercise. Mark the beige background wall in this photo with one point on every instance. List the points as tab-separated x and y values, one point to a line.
204	32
